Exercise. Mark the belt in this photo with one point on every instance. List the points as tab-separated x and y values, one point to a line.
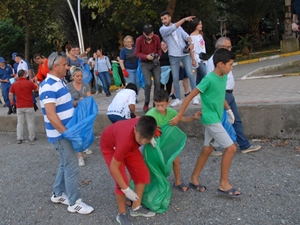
147	61
229	91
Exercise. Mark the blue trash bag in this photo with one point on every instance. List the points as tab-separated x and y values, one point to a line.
228	126
140	75
165	74
80	130
87	76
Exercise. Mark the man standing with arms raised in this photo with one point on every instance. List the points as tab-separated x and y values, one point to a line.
58	110
176	37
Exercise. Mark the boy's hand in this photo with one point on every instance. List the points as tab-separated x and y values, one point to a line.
174	121
230	115
198	115
158	132
130	194
153	142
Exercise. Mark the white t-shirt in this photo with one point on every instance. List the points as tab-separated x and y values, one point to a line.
120	104
92	60
199	46
230	78
23	66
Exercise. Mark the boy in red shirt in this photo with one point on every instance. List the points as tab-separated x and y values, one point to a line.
120	144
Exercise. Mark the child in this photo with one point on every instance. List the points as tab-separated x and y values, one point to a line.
122	106
162	115
212	90
120	144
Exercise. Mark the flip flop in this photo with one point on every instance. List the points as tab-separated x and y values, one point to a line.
226	193
180	187
197	187
131	202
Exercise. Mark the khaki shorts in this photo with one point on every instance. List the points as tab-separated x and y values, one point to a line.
215	135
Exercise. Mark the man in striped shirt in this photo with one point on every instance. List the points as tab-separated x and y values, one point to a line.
58	110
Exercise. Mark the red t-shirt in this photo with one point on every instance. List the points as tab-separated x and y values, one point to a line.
23	90
142	48
120	137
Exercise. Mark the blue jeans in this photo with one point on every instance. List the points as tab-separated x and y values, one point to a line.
175	64
106	81
238	126
201	72
67	176
115	118
5	92
133	78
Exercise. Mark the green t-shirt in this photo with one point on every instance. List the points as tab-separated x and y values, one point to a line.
160	118
212	90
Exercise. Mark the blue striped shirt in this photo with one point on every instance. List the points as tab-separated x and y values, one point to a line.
175	39
53	90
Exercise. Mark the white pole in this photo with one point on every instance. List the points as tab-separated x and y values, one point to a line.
76	24
80	28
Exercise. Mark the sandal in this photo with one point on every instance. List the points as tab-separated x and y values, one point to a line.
180	187
227	193
197	187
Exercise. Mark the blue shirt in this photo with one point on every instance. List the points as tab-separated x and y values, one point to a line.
53	90
130	60
102	65
175	39
5	74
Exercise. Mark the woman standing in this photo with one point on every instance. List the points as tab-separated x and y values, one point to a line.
164	63
102	71
42	61
129	62
199	47
72	60
92	66
79	90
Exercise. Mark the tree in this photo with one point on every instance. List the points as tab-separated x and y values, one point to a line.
33	16
11	38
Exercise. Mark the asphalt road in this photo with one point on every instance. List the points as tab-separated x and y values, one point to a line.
268	179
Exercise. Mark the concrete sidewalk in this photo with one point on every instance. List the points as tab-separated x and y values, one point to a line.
248	93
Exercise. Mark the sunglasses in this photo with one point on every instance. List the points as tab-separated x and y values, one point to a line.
56	57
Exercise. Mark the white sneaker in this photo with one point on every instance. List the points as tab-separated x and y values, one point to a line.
81	161
196	100
80	207
176	102
88	151
97	92
63	199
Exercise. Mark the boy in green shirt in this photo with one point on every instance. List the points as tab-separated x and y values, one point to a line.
212	91
162	115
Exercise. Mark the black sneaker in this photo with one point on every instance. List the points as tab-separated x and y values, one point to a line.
172	96
123	219
19	141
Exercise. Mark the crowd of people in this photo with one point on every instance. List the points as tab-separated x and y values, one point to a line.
60	84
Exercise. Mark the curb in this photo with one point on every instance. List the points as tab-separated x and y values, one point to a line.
266	58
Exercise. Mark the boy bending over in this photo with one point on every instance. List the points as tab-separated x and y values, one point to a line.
212	91
162	115
120	144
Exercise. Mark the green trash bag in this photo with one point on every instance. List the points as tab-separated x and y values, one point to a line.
157	193
116	75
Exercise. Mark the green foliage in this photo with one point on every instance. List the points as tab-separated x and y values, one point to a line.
244	42
11	39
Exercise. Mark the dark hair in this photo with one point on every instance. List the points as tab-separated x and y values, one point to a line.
70	48
19	55
146	126
131	86
194	24
21	73
164	13
223	55
161	96
38	55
